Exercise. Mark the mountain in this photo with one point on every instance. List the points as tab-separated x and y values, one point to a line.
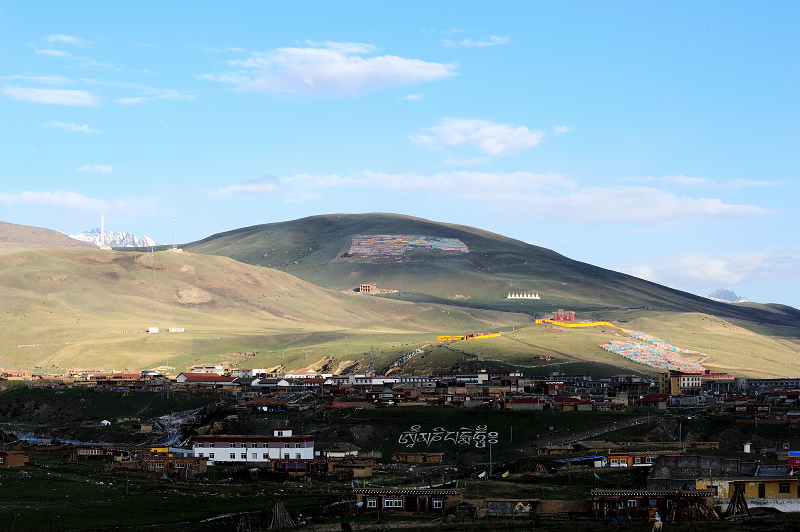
729	296
115	239
319	250
72	308
15	237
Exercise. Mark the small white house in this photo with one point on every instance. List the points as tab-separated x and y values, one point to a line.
152	330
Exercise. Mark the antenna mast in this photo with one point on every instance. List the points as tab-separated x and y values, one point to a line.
174	217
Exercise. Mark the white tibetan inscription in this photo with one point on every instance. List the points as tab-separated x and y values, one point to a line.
479	436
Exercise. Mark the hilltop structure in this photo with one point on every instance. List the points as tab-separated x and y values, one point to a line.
522	295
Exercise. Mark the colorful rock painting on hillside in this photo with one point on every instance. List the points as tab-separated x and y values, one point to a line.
396	245
653	352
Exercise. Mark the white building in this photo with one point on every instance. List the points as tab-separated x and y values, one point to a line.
282	445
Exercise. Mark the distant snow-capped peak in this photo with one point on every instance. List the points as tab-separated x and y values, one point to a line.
115	239
726	296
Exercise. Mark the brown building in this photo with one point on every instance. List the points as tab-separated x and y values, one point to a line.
433	501
12	459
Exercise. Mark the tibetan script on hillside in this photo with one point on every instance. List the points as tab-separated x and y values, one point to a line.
478	437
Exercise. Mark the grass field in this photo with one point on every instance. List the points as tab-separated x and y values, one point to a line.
90	309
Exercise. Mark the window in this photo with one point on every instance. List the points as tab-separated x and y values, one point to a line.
255	456
211	455
179	465
211	445
201	444
200	455
159	465
393	503
297	456
286	456
637	460
783	487
650	459
632	504
280	433
372	503
265	456
297	446
437	504
614	461
285	445
244	456
233	456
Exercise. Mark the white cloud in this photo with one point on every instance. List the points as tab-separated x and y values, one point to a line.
541	197
494	40
560	130
492	138
46	80
695	269
148	94
53	96
683	181
98	168
328	69
68	39
71	126
644	207
55	53
411	97
73	201
261	185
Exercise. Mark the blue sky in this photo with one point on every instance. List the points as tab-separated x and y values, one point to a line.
659	139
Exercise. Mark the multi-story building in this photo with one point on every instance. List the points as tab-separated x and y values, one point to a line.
282	445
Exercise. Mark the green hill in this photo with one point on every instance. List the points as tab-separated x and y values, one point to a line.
313	248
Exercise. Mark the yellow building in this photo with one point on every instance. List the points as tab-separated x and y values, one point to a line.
754	487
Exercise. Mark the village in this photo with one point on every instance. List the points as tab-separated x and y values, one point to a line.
458	429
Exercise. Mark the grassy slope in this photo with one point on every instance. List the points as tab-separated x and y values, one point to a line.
90	309
311	249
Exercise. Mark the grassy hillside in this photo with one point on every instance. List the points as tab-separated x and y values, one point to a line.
90	309
312	249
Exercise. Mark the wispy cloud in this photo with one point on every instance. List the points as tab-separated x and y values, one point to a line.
683	181
45	80
452	31
492	138
75	202
55	53
97	168
328	69
526	195
696	270
67	39
53	96
148	94
411	97
494	40
560	130
71	126
261	185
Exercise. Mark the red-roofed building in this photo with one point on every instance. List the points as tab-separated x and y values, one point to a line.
204	379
